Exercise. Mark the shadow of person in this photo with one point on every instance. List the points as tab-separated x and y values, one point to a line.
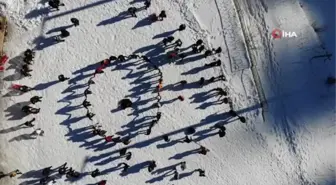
164	34
144	22
46	85
122	15
22	137
15	62
184	154
42	42
12	129
58	29
135	168
38	12
14	111
14	77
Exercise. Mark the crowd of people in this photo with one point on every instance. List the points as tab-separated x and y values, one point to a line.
175	55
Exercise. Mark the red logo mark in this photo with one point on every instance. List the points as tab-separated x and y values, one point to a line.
276	34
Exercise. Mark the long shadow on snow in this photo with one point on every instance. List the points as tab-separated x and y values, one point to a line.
223	118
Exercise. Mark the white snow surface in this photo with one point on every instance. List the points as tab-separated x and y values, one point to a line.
290	140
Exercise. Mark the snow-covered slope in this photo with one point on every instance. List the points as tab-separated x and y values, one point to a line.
290	140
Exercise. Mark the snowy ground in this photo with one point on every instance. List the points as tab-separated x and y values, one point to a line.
291	140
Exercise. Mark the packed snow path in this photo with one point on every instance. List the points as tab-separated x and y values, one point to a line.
253	153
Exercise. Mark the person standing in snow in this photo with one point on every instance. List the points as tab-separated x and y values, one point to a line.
55	4
203	150
162	15
22	88
132	11
214	64
183	165
187	139
90	115
182	27
217	51
58	39
38	132
35	99
64	33
166	138
176	175
87	92
86	104
74	21
30	110
178	43
29	123
95	173
125	167
121	58
62	78
151	166
201	172
207	53
147	4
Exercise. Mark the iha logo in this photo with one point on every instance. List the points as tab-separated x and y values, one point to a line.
278	34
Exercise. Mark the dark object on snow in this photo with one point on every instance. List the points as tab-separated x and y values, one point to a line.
58	39
214	64
202	81
122	151
132	11
203	150
75	21
201	172
176	175
182	27
103	182
183	165
113	58
90	82
128	155
125	103
64	33
187	139
24	88
190	131
125	168
29	123
233	113
162	15
158	116
121	58
218	50
62	78
207	53
87	91
147	4
183	82
86	103
151	166
181	98
46	171
30	110
199	42
242	119
95	173
90	115
35	99
166	138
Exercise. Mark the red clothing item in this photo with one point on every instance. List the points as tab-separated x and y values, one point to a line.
16	86
108	138
103	182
